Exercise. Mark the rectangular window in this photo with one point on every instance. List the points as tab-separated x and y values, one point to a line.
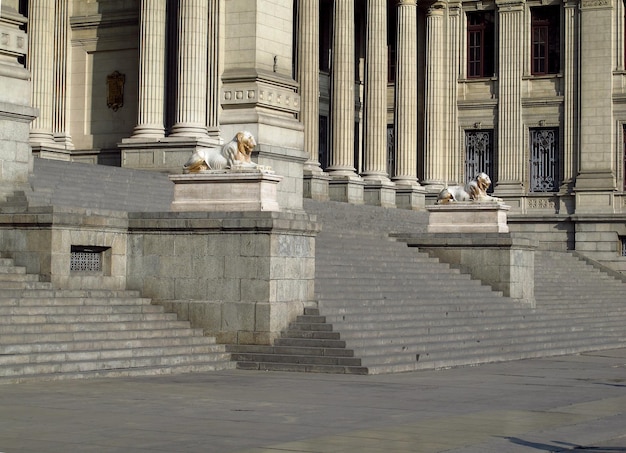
545	40
325	34
323	141
544	160
479	154
622	240
391	161
480	44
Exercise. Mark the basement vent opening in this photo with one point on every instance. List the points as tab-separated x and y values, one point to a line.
86	258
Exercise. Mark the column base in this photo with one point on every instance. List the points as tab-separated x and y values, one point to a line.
410	197
380	193
347	189
315	185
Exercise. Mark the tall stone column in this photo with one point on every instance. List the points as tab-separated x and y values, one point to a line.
454	159
315	180
378	188
60	127
409	194
41	47
345	184
596	179
436	102
191	101
151	108
511	161
570	96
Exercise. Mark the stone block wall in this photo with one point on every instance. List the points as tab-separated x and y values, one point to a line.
42	240
241	276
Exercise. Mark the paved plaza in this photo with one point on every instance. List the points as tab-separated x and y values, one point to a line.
558	404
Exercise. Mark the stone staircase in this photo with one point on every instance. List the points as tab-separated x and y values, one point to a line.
66	334
391	308
91	186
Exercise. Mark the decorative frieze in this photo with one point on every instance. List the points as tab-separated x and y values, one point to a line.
275	98
541	203
13	42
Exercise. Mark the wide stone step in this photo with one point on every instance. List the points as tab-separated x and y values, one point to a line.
288	350
276	357
93	335
28	328
81	318
81	366
70	301
69	310
73	345
301	367
48	292
215	364
105	355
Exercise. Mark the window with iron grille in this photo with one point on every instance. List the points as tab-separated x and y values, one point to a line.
322	153
622	240
480	44
479	154
86	258
544	160
545	40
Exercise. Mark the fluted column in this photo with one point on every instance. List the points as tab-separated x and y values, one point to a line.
570	95
406	95
308	77
191	101
511	160
41	65
342	91
61	90
151	108
213	75
435	128
375	118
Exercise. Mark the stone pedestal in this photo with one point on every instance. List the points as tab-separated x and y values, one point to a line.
227	190
468	217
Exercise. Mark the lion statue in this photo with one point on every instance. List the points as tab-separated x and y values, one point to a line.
235	153
475	190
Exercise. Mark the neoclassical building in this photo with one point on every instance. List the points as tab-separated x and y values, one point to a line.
364	101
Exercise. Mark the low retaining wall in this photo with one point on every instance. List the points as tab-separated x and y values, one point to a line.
240	276
504	261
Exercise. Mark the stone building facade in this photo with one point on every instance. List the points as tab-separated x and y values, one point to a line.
364	101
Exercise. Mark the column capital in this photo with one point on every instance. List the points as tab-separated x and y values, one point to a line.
510	5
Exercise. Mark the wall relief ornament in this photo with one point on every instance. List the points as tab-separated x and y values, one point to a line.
115	90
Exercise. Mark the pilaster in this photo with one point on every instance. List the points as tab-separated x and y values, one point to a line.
258	92
16	113
510	126
596	182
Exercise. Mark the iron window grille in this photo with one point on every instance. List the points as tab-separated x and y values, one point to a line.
479	154
623	244
544	160
86	259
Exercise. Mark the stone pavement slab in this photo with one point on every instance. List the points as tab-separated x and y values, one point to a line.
570	403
